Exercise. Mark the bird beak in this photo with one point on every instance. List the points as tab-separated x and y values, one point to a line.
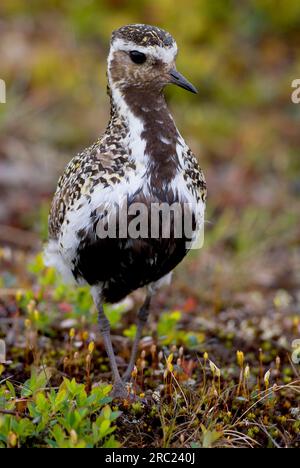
179	80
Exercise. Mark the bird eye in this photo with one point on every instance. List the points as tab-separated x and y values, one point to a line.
137	57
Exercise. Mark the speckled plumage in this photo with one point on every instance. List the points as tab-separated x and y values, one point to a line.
105	164
145	35
142	157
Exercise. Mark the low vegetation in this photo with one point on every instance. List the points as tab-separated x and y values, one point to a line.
219	362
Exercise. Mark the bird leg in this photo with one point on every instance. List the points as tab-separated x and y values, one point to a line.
142	320
119	389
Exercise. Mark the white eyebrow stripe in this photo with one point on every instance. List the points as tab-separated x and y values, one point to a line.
166	54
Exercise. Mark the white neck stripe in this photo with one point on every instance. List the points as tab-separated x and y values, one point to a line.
166	54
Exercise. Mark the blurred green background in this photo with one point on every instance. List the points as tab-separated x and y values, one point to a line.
242	290
242	56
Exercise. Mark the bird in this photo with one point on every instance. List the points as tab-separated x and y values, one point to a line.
140	160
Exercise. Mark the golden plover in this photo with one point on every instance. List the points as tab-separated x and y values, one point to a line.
140	161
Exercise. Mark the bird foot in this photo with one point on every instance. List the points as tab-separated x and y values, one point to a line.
126	377
120	391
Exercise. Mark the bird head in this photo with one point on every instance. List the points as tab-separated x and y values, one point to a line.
143	57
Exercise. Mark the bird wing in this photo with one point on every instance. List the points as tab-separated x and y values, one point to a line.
97	167
195	177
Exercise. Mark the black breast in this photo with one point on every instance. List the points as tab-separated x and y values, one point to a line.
126	264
